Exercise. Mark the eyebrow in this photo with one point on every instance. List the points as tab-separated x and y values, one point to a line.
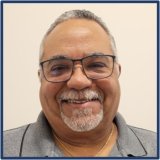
66	57
58	57
95	54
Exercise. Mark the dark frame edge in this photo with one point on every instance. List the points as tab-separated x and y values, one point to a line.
73	1
1	79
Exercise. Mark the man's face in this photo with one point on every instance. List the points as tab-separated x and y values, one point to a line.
79	104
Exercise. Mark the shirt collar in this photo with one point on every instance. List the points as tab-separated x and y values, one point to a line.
38	141
128	144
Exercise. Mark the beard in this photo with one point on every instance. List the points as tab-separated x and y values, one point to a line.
82	120
85	118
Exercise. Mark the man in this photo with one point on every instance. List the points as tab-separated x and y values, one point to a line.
79	94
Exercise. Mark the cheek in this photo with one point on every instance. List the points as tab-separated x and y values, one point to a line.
48	92
50	107
111	90
109	87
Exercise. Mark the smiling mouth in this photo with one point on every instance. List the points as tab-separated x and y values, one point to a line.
79	101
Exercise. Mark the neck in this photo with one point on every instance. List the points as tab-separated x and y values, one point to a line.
89	148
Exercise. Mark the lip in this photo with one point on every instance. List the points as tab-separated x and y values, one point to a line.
80	104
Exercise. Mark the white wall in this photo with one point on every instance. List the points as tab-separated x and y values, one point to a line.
134	29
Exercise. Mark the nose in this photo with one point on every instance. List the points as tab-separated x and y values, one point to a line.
78	80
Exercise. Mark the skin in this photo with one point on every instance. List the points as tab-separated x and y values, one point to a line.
76	38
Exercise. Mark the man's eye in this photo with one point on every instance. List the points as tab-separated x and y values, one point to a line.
58	70
96	65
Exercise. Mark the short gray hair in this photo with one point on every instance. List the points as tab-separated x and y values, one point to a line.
78	14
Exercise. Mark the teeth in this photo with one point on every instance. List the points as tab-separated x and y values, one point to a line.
77	101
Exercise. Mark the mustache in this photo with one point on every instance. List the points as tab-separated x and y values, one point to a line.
87	94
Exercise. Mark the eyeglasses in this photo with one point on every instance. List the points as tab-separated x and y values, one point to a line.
60	69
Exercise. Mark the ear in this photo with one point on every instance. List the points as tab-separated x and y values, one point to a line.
40	75
118	69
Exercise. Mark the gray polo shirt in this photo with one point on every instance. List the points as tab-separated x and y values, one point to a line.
35	140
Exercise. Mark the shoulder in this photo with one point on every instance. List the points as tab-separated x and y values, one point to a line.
12	141
147	138
143	134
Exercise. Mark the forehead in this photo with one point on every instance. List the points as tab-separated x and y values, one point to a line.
76	37
81	25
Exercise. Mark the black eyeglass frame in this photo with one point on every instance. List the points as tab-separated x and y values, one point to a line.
81	60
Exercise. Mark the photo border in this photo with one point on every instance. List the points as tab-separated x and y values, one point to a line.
74	1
